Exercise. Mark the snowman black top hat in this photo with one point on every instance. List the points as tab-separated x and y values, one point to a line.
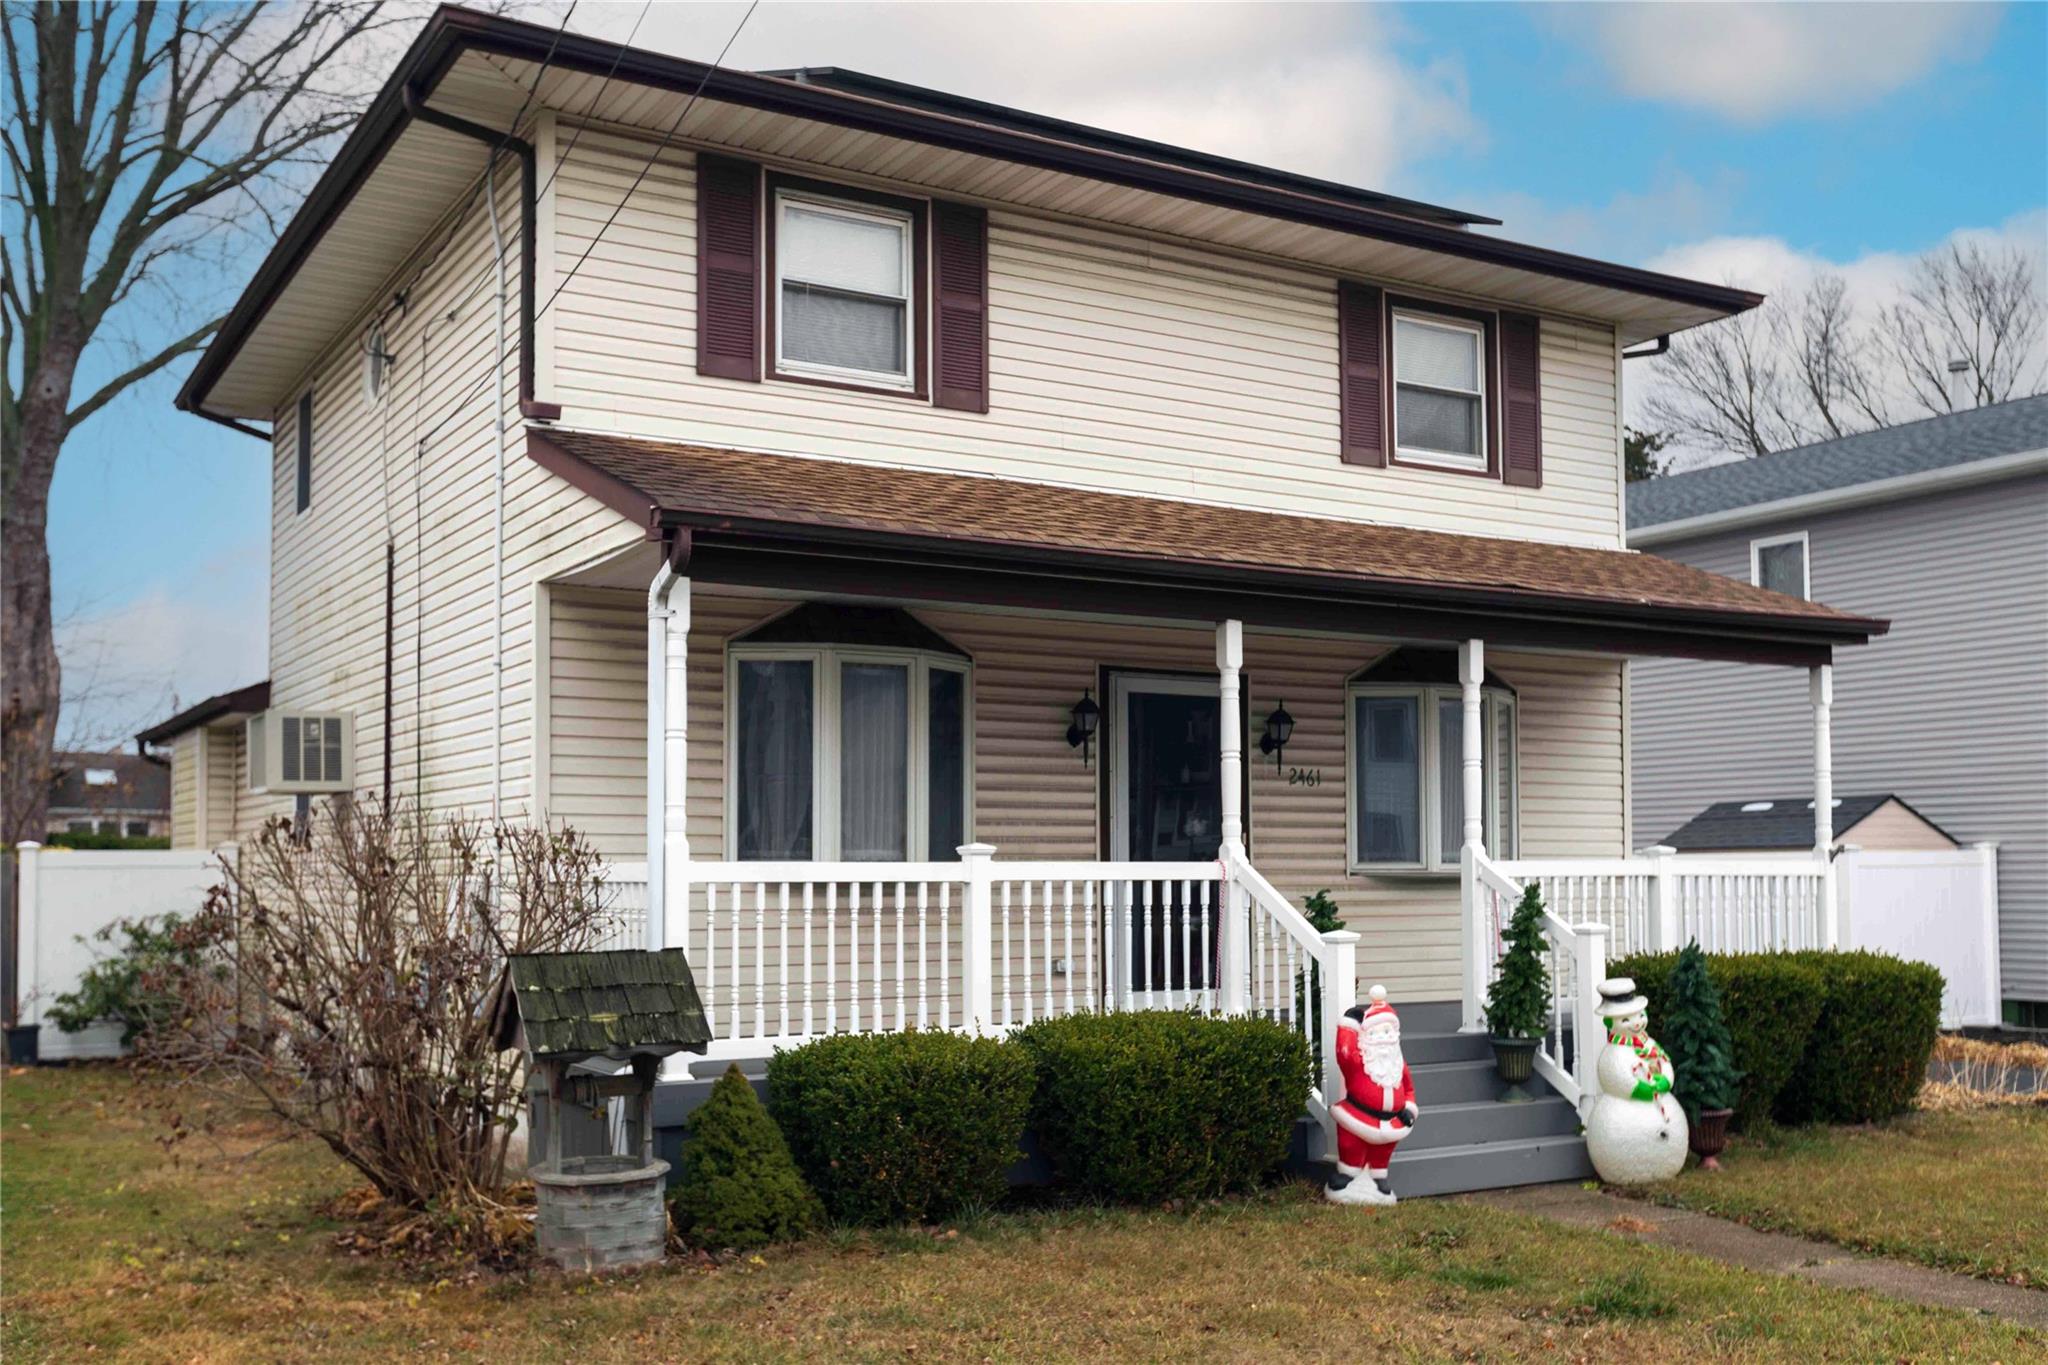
1618	998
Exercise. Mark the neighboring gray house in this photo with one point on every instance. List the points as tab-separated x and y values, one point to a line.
1940	526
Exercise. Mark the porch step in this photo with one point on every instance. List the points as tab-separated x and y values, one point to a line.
1481	1122
1421	1049
1488	1165
1460	1082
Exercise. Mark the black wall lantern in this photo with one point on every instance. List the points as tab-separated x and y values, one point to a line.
1279	729
1087	715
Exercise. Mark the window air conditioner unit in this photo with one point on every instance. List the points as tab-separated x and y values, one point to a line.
301	751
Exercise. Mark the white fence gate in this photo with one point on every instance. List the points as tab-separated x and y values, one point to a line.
66	897
1934	907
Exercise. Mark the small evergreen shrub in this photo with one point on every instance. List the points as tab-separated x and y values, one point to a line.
1695	1034
1323	916
740	1187
1159	1105
1868	1052
1518	1002
1769	1001
895	1127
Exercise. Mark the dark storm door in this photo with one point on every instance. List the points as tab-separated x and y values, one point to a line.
1168	807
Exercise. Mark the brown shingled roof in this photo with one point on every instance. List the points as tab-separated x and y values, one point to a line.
715	489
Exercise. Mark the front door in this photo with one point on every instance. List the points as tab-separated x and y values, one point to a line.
1166	806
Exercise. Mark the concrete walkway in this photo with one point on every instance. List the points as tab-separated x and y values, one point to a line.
1771	1252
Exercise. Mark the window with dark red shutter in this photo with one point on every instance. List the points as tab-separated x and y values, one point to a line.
960	338
1521	402
1361	388
728	268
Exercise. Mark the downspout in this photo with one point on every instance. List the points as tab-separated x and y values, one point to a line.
657	721
667	746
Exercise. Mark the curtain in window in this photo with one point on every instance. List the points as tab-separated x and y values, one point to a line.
945	757
843	291
874	748
774	759
1390	779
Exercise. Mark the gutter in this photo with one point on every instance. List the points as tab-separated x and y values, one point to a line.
1926	481
452	31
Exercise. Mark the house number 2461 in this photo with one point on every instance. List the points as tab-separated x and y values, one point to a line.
1304	777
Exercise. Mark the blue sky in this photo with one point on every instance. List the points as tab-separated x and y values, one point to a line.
1743	142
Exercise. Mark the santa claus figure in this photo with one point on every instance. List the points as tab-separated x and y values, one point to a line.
1378	1108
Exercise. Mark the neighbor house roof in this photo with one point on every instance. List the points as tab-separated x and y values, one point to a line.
399	173
139	784
608	1004
1064	530
1772	824
1874	462
255	697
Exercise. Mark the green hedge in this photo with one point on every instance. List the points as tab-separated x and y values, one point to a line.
890	1127
1829	1037
1868	1053
1153	1106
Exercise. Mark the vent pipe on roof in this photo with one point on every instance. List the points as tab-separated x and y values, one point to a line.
1959	394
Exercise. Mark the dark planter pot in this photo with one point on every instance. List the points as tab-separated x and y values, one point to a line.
1709	1136
1514	1061
24	1044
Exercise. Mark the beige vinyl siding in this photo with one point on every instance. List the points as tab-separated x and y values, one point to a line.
1033	798
1116	361
1948	711
1894	829
185	778
416	470
223	782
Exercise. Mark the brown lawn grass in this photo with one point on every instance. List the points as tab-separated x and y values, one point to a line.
112	1247
1959	1189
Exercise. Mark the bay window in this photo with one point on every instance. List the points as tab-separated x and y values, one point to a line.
1407	773
845	753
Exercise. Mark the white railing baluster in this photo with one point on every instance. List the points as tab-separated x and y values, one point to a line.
853	957
735	898
945	954
899	957
1206	1002
831	957
1048	950
782	971
875	1001
760	960
711	955
923	952
808	891
1067	923
1187	959
1009	1009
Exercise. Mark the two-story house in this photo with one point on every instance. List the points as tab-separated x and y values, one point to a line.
794	479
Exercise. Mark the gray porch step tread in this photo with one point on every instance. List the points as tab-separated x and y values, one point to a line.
1478	1122
1488	1165
1424	1048
1457	1082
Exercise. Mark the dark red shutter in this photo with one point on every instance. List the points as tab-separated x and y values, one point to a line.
1521	400
960	336
1361	383
728	268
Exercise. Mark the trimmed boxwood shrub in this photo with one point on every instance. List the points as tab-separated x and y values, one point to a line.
1153	1106
1839	1037
1770	1001
1868	1052
890	1127
739	1187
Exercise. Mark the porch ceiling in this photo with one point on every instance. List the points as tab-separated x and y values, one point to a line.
963	534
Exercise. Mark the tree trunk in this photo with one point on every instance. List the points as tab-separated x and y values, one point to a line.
28	649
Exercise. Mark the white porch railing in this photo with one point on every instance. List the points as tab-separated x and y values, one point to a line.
787	952
1598	909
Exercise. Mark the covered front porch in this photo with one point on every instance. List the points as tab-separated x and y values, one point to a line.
907	784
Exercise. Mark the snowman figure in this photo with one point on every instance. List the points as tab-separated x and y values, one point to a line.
1636	1132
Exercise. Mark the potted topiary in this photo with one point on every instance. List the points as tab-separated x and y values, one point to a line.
1702	1054
1518	1003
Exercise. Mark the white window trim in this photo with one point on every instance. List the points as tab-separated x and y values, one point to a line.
1498	802
826	661
855	209
1756	560
1477	331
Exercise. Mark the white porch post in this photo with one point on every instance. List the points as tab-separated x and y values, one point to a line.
1666	923
1340	993
1473	936
1821	689
1232	933
977	942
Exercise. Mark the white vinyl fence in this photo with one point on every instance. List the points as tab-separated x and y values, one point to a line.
67	896
1935	907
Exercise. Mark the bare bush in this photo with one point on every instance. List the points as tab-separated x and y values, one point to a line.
352	986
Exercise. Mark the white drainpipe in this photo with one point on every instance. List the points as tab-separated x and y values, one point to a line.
668	845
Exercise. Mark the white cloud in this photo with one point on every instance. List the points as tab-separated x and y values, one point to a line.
1318	89
1754	62
1630	224
132	664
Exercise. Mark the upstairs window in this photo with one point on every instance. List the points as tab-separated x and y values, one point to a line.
849	739
845	290
1779	563
1440	372
305	442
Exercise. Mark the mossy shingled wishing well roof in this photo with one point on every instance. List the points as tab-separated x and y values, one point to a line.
607	1004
